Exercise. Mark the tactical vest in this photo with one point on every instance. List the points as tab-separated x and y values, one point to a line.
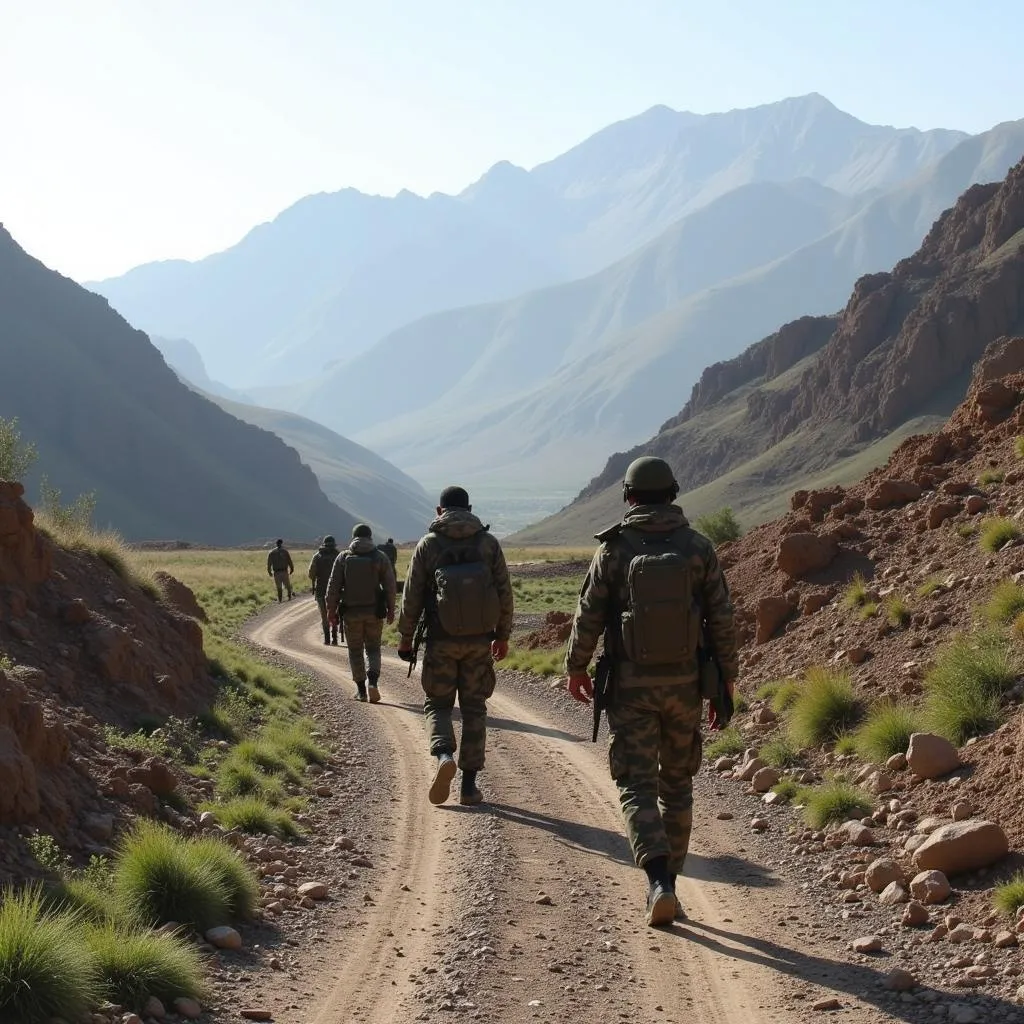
362	582
466	600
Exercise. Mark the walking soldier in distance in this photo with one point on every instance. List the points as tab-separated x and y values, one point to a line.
361	592
320	567
280	566
654	588
457	589
389	549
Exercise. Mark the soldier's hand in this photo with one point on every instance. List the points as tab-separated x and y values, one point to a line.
390	618
581	687
332	618
499	650
405	649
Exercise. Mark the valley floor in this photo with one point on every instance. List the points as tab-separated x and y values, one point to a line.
529	908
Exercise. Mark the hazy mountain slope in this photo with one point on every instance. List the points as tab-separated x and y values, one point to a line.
632	381
334	273
824	400
486	353
372	489
109	415
184	358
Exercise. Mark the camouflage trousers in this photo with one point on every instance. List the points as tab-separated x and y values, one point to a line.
655	750
465	670
283	582
321	603
364	632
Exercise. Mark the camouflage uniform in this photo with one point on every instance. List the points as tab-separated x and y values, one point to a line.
363	626
389	549
461	667
280	566
654	723
320	567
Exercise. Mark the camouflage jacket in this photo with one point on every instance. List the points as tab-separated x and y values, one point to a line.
418	591
605	589
320	566
278	560
391	551
385	574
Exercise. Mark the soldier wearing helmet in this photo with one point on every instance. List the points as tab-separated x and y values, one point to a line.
654	588
320	566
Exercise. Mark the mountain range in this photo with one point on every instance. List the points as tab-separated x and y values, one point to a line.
108	415
825	398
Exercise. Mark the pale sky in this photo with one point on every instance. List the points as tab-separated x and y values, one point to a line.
135	130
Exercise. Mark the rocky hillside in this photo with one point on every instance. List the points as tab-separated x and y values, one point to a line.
81	650
825	396
108	414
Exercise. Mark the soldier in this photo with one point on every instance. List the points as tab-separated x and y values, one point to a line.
361	591
389	549
320	567
280	566
458	582
650	584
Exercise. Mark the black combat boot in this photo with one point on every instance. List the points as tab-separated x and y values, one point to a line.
374	691
361	692
327	636
443	775
469	794
661	900
334	636
680	911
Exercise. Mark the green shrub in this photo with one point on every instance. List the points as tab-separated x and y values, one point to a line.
967	530
255	816
16	456
1018	447
868	610
540	662
47	853
768	690
295	740
269	758
834	802
996	532
134	965
727	743
720	527
82	897
236	778
846	744
856	593
45	970
1005	604
236	876
156	879
826	708
785	696
887	731
964	687
1008	898
991	476
897	611
787	789
930	586
780	753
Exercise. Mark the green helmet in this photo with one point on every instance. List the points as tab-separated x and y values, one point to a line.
649	474
330	542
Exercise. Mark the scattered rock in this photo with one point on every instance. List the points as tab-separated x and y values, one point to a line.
899	980
1005	940
764	779
314	890
831	1003
866	944
187	1008
962	810
893	895
890	493
896	763
914	915
771	613
251	1014
224	937
962	846
883	872
856	834
931	756
154	1008
930	887
751	768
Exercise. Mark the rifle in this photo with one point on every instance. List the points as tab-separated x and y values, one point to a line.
604	679
417	639
712	682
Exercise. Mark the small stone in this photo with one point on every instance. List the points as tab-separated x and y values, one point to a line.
1005	940
724	815
324	791
751	768
881	873
896	763
253	1014
314	890
914	915
128	1018
930	887
961	810
827	1004
866	944
961	933
900	980
724	764
893	895
764	779
759	824
154	1008
856	834
187	1008
224	938
207	819
544	900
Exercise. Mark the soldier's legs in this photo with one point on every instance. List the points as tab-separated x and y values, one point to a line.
373	631
439	680
279	583
680	757
475	685
634	724
321	603
354	628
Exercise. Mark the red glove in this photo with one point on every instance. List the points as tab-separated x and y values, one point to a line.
581	687
332	618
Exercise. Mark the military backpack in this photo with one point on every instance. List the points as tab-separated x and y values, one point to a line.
362	581
661	624
466	599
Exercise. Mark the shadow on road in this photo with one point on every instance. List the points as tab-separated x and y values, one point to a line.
730	870
494	724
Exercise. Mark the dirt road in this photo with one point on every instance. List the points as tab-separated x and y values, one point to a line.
529	907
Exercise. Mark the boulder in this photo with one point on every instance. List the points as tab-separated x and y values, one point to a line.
930	887
770	614
751	768
882	872
942	511
314	890
764	779
803	553
891	493
931	756
962	846
856	834
224	938
893	894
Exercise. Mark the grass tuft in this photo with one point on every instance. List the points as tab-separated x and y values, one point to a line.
157	879
834	802
1018	447
235	875
897	611
846	744
727	743
990	476
966	684
255	816
930	586
1005	604
1008	898
856	594
788	789
780	753
827	708
887	731
994	533
785	696
45	970
134	965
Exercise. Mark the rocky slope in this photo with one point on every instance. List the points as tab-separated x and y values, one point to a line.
108	415
81	649
823	389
